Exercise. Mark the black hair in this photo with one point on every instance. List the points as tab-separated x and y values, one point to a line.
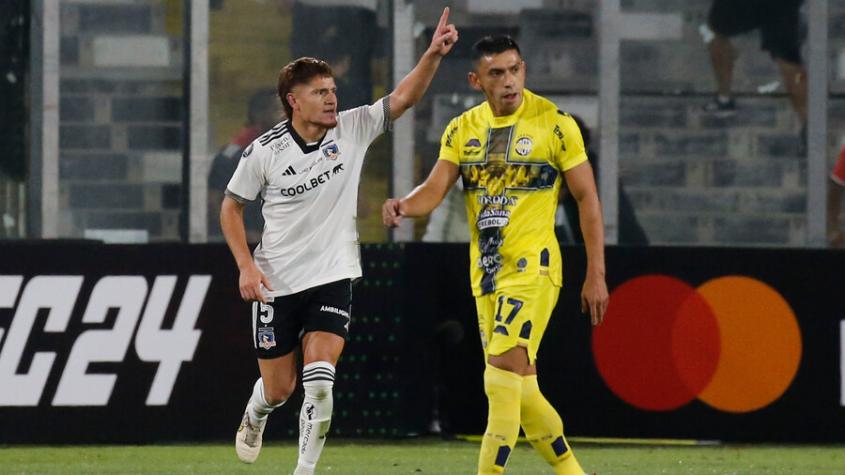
490	45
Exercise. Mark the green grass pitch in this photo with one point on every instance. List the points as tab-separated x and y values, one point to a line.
421	456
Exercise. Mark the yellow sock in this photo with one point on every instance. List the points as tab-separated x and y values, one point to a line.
504	391
544	429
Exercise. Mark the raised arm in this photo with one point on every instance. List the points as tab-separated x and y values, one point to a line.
411	88
582	185
424	198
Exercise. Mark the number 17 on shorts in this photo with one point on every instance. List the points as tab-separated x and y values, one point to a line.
514	317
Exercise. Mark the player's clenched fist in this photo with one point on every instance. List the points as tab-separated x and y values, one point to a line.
250	283
390	213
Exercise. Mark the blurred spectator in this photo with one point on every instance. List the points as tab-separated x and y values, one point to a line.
778	22
567	223
263	112
343	33
448	222
14	53
349	94
835	234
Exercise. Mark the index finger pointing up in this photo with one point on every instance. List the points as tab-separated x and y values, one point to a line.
443	19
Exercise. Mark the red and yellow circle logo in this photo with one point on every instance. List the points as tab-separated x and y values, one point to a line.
733	342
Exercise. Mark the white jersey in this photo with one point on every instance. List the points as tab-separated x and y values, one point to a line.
310	195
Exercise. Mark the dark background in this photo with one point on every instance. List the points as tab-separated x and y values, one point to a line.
414	353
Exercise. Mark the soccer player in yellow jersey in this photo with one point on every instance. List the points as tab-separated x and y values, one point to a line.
511	153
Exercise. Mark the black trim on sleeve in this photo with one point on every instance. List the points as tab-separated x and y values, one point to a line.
388	124
240	199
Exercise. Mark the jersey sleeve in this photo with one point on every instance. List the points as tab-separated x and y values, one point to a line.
367	122
450	143
570	145
249	176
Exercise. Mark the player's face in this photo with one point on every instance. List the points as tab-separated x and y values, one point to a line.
501	77
316	101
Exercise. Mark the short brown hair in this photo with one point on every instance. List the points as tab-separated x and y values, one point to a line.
300	71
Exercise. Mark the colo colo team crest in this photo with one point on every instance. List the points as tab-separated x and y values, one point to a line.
331	151
266	338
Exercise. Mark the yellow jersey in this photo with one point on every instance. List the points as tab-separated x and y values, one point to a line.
511	170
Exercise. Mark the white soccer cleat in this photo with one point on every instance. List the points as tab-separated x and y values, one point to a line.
248	439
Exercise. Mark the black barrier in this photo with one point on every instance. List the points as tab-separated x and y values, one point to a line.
83	327
152	343
809	408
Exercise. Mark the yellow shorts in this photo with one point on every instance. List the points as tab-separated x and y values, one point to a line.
516	316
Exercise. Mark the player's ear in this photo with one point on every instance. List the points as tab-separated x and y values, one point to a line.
291	100
474	83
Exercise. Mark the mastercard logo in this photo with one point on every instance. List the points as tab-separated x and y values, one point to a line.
733	343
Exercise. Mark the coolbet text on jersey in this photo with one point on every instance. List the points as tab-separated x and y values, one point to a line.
511	168
310	197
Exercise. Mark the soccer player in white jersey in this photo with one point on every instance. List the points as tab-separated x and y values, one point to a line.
306	170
